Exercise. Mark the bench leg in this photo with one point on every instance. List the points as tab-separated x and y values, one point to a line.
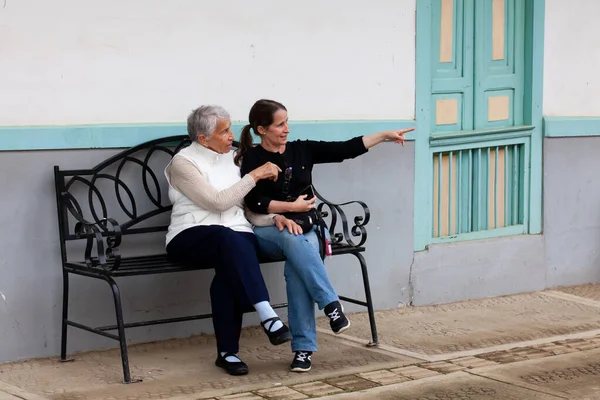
365	275
65	317
121	329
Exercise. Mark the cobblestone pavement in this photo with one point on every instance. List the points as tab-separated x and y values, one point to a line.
542	345
472	325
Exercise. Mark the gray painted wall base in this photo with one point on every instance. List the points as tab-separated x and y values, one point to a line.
572	210
384	179
481	268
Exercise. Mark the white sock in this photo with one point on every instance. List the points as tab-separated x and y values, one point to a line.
230	358
265	311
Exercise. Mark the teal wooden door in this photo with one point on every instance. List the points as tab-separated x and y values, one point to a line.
475	125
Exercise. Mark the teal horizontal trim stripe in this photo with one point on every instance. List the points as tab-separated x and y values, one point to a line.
127	135
571	126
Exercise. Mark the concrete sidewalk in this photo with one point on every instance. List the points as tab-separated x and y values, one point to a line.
543	345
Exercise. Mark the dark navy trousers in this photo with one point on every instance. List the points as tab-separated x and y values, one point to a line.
238	282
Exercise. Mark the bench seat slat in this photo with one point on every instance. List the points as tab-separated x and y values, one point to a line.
160	263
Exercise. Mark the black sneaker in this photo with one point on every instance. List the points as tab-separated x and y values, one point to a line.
337	320
302	361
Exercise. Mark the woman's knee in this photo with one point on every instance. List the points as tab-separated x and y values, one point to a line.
299	248
232	244
227	237
289	239
313	240
223	232
289	244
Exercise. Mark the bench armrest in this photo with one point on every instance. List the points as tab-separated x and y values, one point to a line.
97	233
357	230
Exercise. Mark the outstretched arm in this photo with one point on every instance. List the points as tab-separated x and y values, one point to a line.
331	152
380	137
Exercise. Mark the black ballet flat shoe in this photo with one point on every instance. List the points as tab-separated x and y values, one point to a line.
279	336
232	367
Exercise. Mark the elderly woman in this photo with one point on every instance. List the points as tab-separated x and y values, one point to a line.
208	227
306	279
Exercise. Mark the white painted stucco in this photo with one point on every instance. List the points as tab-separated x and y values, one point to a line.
115	61
571	59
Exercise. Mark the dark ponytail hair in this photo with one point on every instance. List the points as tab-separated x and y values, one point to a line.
245	144
261	114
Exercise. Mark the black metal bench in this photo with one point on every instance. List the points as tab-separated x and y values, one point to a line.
130	188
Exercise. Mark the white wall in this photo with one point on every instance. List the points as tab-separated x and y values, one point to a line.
571	58
115	61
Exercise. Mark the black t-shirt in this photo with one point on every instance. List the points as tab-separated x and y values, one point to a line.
296	165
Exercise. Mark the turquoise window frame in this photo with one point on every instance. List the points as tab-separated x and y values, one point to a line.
426	144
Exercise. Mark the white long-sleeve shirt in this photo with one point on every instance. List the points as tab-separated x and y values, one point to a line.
205	188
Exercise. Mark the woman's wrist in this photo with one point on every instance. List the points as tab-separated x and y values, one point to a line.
254	176
383	136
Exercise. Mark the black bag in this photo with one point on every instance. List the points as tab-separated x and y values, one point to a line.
306	220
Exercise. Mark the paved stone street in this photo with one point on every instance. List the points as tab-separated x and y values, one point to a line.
543	345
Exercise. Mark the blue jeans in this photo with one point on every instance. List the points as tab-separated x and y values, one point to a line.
306	280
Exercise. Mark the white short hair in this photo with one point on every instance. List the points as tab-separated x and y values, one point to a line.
203	120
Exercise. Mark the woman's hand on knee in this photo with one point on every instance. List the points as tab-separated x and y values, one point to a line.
282	223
